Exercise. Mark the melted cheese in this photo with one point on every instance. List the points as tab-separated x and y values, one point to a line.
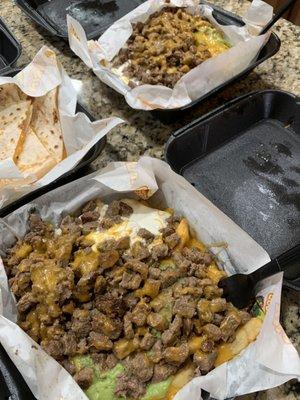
142	217
215	274
212	39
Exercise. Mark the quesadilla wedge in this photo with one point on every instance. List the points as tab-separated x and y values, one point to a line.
45	123
34	160
14	121
9	94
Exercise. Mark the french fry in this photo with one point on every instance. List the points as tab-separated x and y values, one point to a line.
184	234
244	336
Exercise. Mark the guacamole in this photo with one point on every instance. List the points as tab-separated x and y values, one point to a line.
104	383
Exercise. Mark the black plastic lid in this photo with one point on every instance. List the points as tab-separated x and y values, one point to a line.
10	48
94	15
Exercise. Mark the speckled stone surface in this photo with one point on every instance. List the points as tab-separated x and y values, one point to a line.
143	133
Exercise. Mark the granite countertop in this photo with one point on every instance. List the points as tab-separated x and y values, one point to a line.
144	134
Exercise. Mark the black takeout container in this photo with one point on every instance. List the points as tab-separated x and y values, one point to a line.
244	157
225	17
10	49
40	12
80	169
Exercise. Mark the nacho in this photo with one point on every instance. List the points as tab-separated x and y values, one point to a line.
34	160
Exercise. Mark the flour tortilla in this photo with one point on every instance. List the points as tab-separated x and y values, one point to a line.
14	121
45	123
34	160
14	183
10	94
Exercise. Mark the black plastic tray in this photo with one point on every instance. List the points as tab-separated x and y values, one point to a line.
94	15
10	48
75	173
245	158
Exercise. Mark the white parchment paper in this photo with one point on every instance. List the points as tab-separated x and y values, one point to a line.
267	362
43	74
200	80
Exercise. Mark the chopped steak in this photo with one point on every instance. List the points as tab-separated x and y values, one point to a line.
110	305
169	336
108	259
172	241
26	302
129	387
207	345
162	371
147	342
185	307
205	361
154	273
139	314
196	256
68	225
187	326
145	234
139	251
70	367
130	280
130	300
109	222
84	377
155	353
116	208
137	266
154	308
159	251
89	216
54	348
89	227
80	323
128	327
100	342
173	220
111	361
213	332
112	328
123	243
93	205
167	231
229	325
176	355
125	209
157	321
113	209
168	277
36	224
140	366
100	285
69	343
217	319
181	262
245	316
